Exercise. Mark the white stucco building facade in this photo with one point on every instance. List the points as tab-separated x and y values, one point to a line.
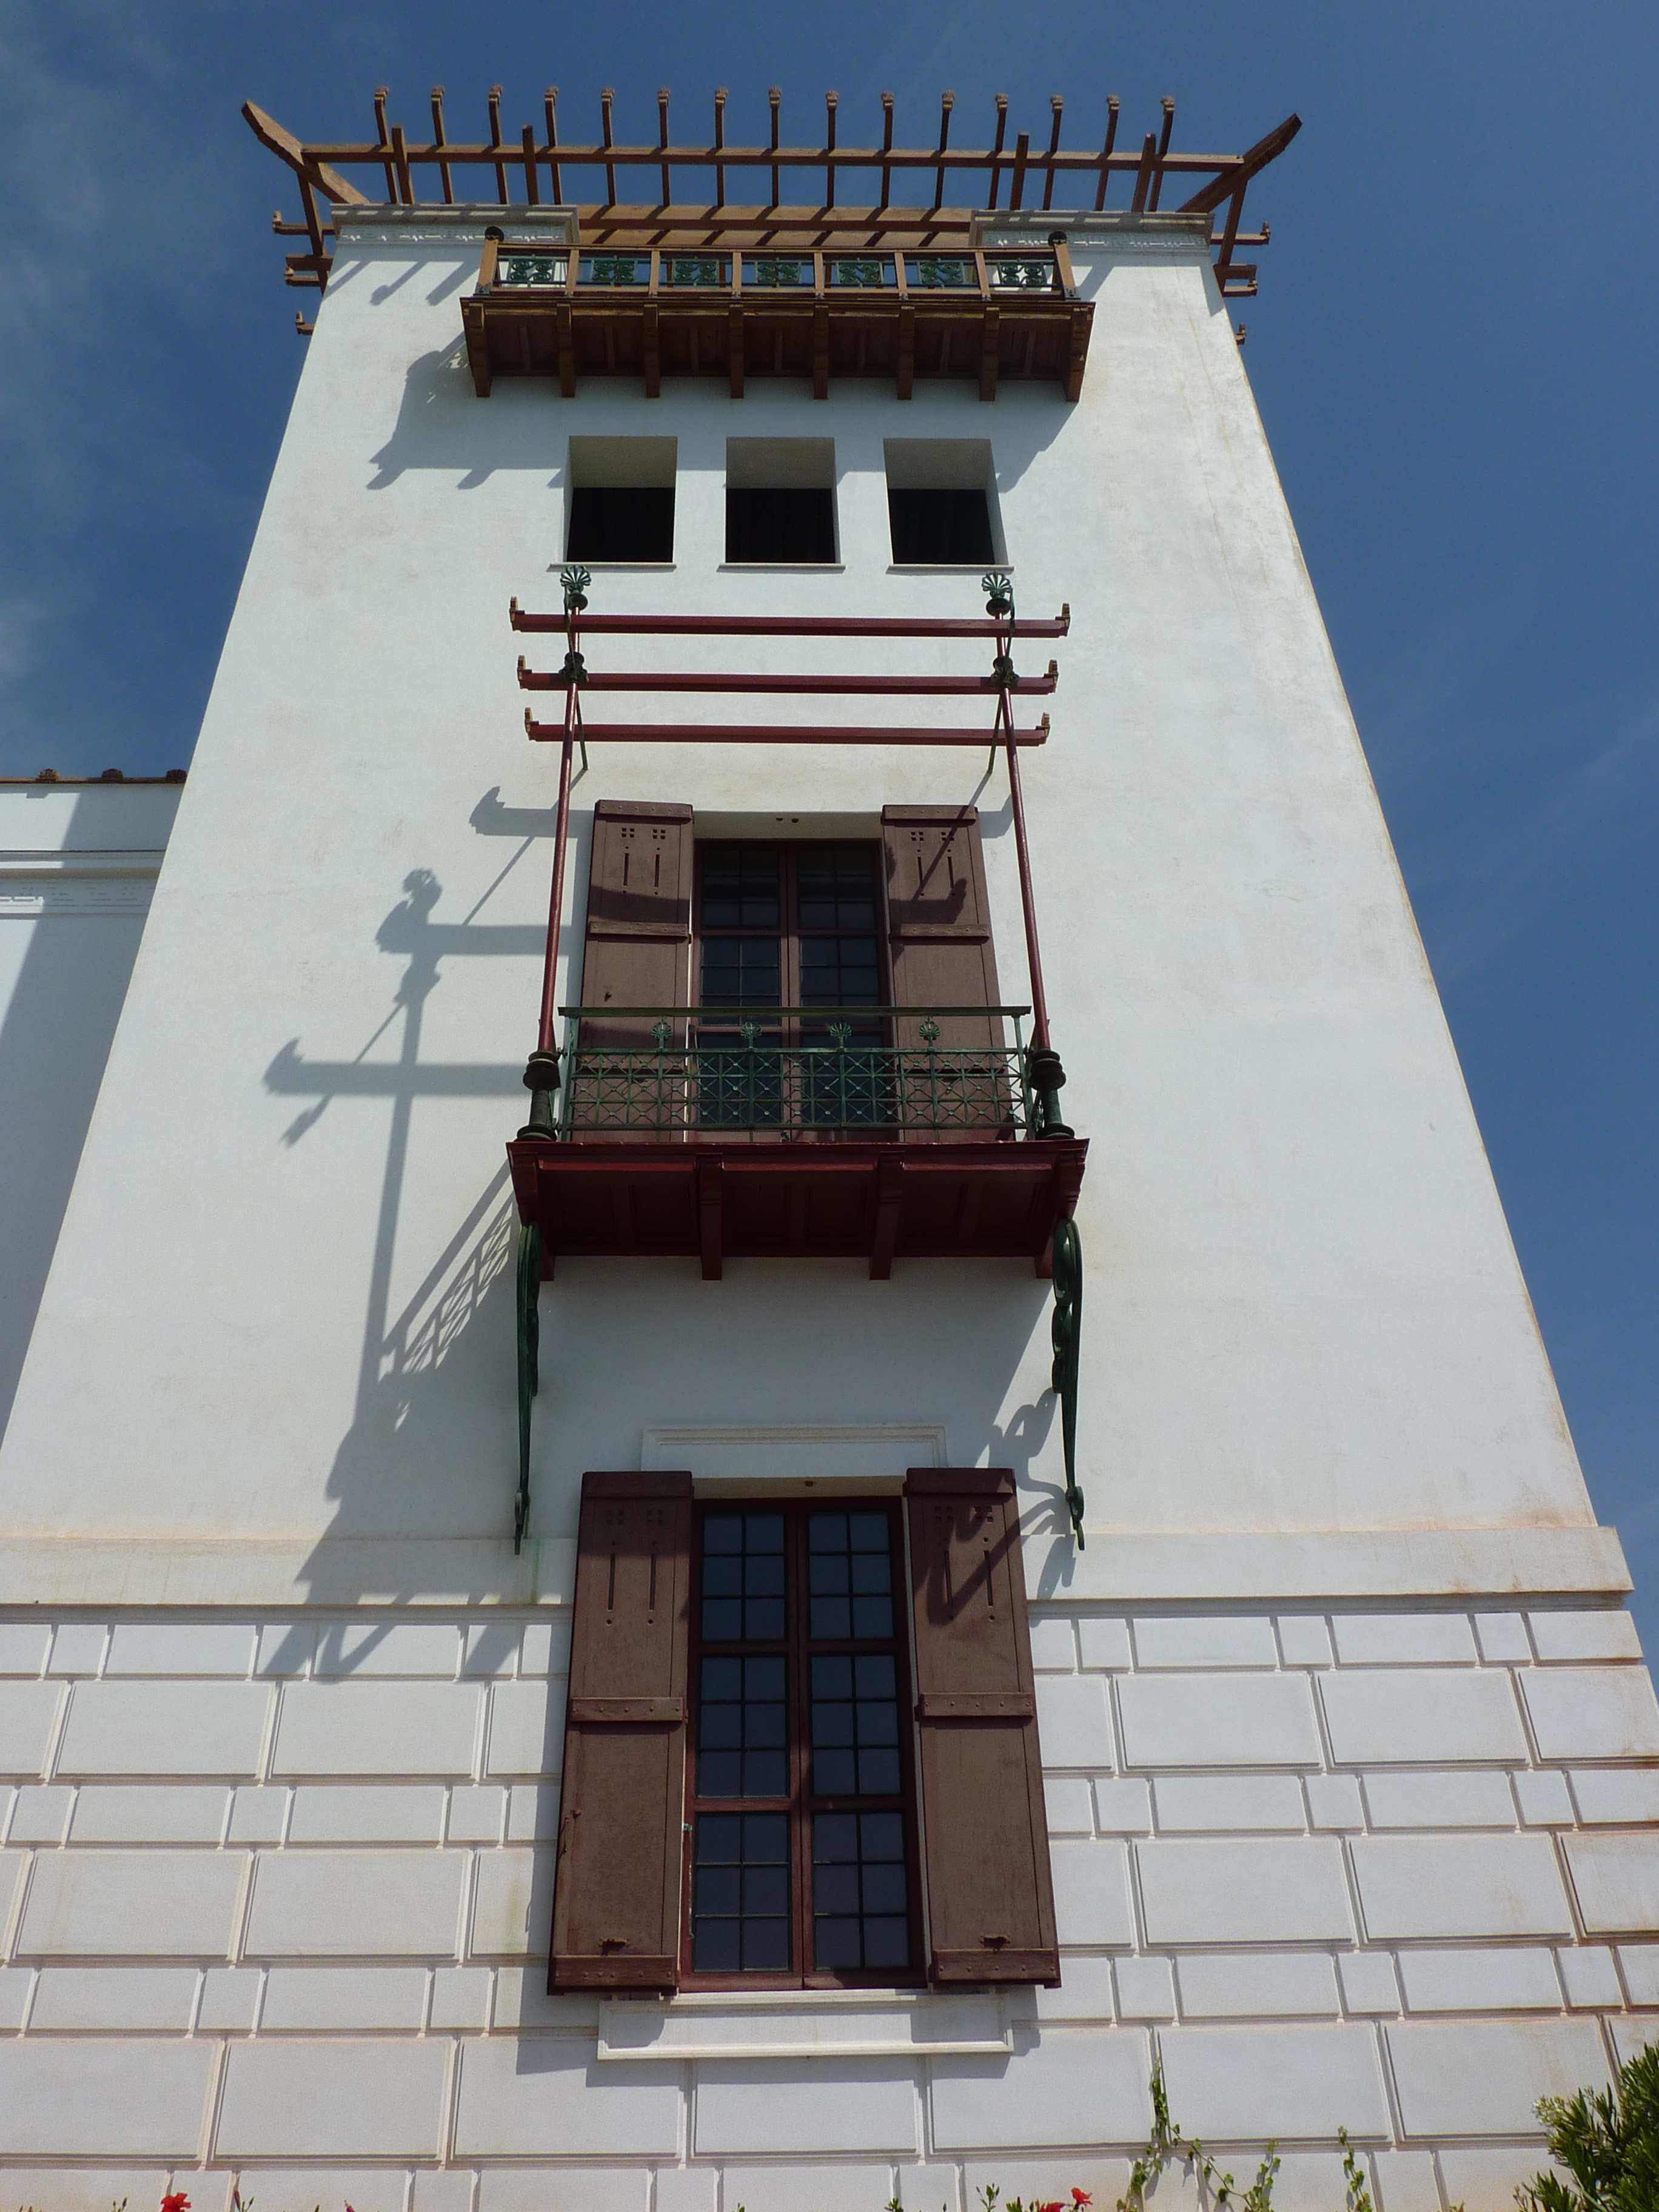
1352	1765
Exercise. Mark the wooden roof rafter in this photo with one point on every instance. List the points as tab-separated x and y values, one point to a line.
519	168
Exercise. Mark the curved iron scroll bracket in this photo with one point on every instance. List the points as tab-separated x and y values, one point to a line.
529	1284
1067	1339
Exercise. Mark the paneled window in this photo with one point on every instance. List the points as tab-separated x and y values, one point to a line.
789	925
745	1751
800	1792
796	925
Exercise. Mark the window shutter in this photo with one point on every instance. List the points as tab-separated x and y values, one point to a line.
638	916
938	919
990	1893
617	1881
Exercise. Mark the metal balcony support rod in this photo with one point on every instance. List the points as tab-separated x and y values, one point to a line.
541	1073
851	626
789	1014
780	734
794	684
1043	1061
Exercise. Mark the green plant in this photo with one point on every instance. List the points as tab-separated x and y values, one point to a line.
1359	2189
1166	2143
1608	2143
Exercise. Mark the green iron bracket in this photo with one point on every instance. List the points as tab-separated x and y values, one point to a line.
529	1284
1068	1340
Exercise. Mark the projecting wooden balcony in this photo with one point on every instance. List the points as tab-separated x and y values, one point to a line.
751	1136
895	315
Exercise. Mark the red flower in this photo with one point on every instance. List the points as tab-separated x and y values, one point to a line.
1081	2197
1055	2206
175	2201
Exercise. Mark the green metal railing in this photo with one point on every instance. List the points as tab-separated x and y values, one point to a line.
794	1070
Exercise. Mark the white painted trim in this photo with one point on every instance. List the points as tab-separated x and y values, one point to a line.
464	223
1392	1567
804	2024
724	1458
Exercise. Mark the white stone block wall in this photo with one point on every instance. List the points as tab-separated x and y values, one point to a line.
275	1894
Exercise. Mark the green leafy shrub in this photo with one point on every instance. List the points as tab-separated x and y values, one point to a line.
1608	2143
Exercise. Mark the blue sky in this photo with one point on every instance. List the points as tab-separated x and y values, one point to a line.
1453	350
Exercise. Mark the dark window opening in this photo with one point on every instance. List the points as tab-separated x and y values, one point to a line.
801	1785
941	528
763	524
621	522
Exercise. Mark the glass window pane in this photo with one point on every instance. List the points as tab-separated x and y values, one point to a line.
834	1774
826	1532
742	1728
762	1574
859	1910
878	1774
832	1617
872	1617
740	1893
766	1947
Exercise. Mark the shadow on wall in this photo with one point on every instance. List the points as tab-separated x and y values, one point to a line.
55	1037
443	424
431	1449
425	1370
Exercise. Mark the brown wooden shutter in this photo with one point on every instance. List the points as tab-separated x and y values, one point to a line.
990	1893
617	1881
938	919
638	916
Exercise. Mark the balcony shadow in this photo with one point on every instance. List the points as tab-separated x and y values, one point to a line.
442	425
426	1369
430	1450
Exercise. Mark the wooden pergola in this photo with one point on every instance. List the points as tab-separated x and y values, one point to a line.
534	168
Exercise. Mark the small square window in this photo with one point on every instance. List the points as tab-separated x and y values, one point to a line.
622	500
942	504
780	501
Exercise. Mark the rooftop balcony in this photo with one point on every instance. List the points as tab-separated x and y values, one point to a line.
965	314
799	1133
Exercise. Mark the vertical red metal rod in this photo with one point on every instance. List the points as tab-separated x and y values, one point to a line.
1033	957
561	837
1021	852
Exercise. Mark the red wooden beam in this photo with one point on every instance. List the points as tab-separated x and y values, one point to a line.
782	734
790	686
788	625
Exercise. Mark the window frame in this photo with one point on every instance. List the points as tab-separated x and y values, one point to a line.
798	1648
789	932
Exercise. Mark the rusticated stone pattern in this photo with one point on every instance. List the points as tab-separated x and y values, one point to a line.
276	1893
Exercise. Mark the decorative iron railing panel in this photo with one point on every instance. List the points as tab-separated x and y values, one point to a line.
792	1072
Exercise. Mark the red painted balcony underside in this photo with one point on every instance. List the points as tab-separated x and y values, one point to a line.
874	1200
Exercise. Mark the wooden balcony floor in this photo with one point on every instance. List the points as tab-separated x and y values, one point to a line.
875	1200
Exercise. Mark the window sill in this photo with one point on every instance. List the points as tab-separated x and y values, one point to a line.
786	568
804	2024
949	567
614	568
